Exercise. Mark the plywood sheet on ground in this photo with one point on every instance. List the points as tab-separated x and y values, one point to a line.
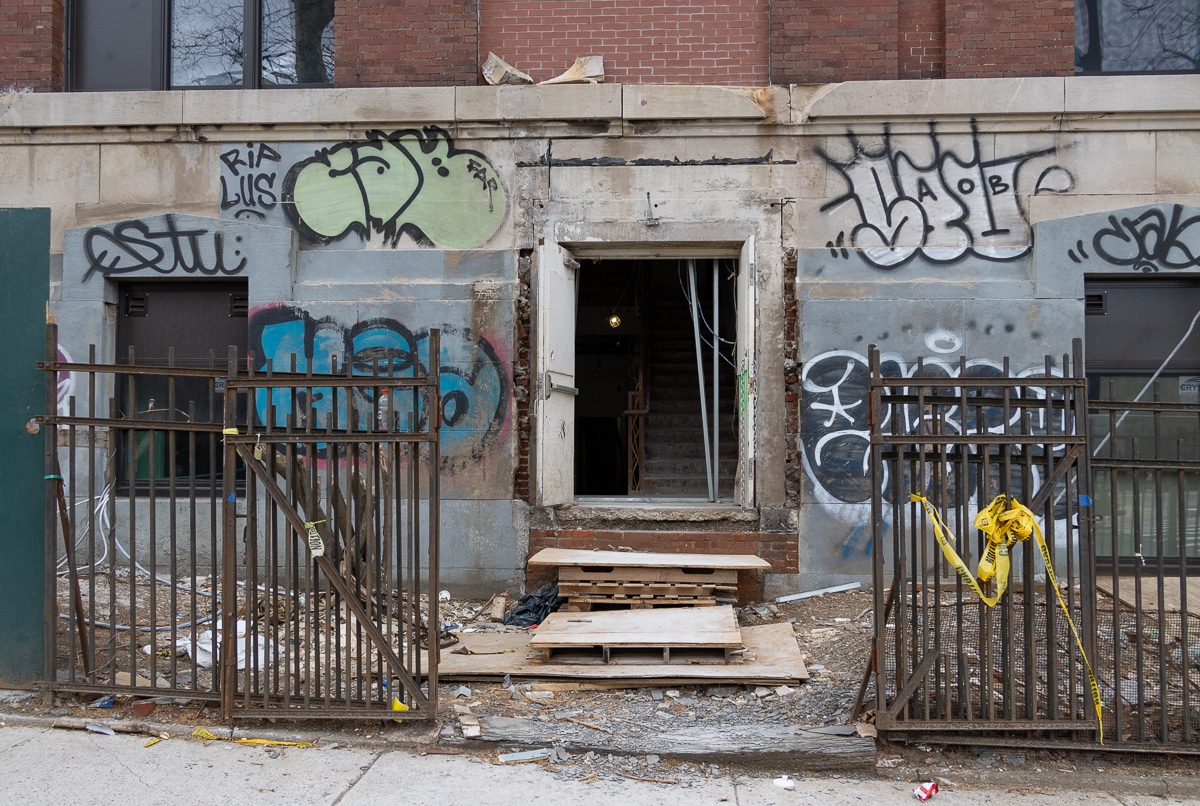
707	627
1172	599
772	657
646	559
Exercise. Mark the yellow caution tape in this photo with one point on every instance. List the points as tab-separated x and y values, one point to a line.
272	742
1003	526
315	545
201	733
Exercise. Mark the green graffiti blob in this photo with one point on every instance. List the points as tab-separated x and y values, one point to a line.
409	181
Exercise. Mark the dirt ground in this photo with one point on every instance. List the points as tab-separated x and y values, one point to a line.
834	634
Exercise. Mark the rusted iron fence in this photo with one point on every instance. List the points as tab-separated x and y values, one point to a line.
261	539
943	661
1115	487
1146	465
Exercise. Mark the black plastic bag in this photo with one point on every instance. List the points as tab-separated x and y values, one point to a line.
532	608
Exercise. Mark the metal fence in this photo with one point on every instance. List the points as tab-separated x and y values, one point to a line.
261	539
1098	621
1146	466
958	437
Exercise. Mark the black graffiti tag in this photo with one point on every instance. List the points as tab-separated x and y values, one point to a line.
250	189
1148	242
132	246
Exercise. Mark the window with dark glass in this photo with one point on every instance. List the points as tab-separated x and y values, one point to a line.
1137	36
165	44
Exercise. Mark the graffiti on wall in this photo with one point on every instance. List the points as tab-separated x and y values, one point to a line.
248	181
474	379
410	182
1153	240
944	206
836	433
64	382
143	245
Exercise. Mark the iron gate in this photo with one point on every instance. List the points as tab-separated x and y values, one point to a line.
959	436
259	538
1115	484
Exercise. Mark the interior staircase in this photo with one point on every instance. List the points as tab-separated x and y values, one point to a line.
673	463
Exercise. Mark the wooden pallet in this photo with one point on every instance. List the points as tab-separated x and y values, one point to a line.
582	604
683	632
649	590
593	579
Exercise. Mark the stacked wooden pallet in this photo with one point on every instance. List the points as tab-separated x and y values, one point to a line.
687	635
600	580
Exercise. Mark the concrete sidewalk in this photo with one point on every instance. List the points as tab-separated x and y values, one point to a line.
40	764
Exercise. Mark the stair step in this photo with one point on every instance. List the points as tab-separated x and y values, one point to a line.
653	451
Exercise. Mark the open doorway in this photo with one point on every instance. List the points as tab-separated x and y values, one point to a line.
656	415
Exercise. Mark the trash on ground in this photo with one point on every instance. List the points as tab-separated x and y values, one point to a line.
532	608
107	731
528	755
785	782
926	791
792	597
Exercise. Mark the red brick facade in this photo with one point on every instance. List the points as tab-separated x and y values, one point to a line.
813	41
1010	39
648	42
922	40
777	548
31	45
425	43
417	43
860	40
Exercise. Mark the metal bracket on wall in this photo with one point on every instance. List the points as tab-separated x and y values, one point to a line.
548	385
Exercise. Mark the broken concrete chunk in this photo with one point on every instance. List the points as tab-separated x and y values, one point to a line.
585	70
496	71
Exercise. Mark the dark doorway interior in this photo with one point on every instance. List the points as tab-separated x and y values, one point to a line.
639	428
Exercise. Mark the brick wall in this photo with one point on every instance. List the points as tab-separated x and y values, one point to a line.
31	45
417	43
777	548
647	42
814	41
1009	38
922	44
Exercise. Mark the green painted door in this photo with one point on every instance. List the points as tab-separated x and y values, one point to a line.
25	280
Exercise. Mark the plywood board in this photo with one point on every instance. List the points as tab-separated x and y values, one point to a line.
634	558
772	657
686	627
1172	600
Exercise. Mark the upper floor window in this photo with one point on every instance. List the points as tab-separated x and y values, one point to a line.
168	44
1137	36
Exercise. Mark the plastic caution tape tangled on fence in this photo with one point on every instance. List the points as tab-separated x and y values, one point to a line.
1003	526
